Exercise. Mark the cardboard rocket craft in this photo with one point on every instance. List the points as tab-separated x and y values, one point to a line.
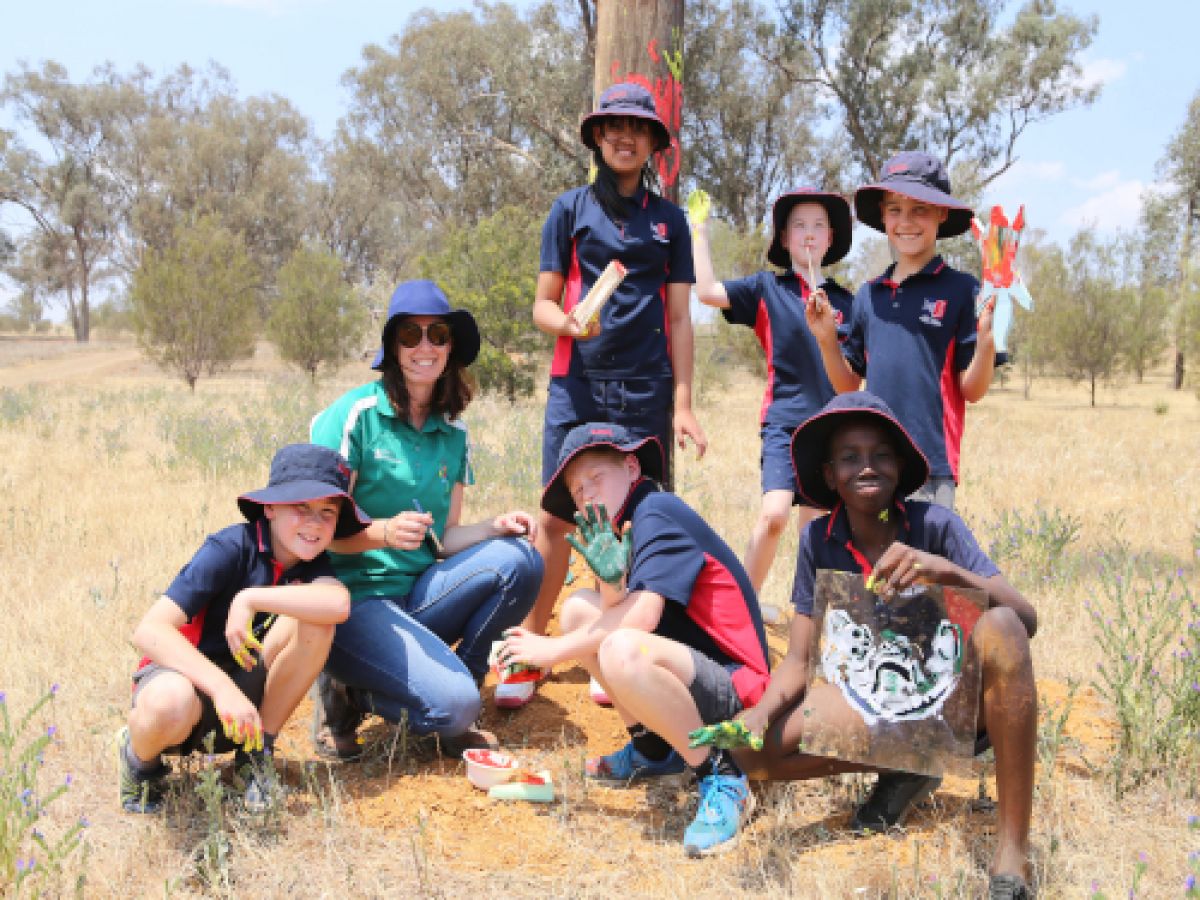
589	308
998	245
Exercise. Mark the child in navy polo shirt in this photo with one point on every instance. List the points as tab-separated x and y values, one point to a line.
243	630
634	365
857	459
673	632
913	332
811	229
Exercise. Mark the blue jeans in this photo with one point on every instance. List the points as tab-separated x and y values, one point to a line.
393	653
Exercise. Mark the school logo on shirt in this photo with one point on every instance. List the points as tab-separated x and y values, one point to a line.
932	312
837	317
659	229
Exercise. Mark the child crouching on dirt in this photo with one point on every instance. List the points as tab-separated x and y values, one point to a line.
856	459
242	632
673	633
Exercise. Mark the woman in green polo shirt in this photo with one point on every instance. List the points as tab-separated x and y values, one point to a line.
421	581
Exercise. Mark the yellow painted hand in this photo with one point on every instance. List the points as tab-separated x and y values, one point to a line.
249	736
244	656
728	735
699	205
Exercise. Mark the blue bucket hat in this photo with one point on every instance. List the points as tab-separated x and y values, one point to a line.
424	298
625	99
556	499
839	221
810	446
920	176
303	472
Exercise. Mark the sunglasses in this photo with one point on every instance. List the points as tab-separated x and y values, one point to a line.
409	334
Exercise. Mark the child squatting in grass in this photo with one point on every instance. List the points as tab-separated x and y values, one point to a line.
673	633
238	638
855	458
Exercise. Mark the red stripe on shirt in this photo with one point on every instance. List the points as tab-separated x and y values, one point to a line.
561	364
718	606
762	328
953	411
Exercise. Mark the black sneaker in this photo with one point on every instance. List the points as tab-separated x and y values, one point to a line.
138	792
335	721
1008	887
890	801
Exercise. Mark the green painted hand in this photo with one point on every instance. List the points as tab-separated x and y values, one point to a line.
601	548
725	736
699	204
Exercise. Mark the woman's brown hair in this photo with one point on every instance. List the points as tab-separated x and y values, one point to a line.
451	392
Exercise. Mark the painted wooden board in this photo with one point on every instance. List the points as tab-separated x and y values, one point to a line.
893	681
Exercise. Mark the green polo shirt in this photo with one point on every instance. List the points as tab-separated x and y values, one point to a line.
396	464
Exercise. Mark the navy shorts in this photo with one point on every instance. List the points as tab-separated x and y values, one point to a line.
712	689
641	405
253	684
778	473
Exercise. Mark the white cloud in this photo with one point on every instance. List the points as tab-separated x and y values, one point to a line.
1116	206
1105	181
1023	176
1102	71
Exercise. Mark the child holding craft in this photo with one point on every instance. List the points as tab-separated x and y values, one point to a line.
672	632
633	365
812	229
913	333
855	458
242	632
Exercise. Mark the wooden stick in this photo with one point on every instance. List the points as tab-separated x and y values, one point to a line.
589	308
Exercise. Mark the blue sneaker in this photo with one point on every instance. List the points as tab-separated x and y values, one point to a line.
725	803
627	766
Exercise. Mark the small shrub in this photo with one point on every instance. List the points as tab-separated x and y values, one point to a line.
1148	633
28	856
1036	543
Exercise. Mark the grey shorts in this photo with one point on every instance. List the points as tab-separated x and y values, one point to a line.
713	690
253	684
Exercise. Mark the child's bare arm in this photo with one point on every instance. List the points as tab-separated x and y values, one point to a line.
902	566
548	314
710	291
818	313
682	361
976	378
324	601
789	681
638	609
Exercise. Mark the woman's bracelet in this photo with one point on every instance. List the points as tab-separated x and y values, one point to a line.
386	542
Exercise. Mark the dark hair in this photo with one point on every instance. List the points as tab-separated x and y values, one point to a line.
615	206
451	393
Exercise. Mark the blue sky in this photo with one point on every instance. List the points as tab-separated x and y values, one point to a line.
1087	166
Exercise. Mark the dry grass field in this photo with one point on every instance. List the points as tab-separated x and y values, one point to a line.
112	474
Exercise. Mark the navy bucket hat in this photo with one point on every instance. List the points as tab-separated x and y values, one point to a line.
556	499
625	99
303	472
810	446
920	176
839	221
424	298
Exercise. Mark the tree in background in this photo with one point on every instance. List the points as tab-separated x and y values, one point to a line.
68	190
1180	169
490	268
936	76
1085	307
317	319
193	303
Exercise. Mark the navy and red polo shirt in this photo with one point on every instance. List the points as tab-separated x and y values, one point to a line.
828	544
710	604
578	241
773	305
910	341
234	558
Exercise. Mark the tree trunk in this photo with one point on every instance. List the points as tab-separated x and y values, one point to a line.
642	41
1185	275
1093	381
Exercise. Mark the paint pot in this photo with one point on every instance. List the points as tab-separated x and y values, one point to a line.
488	768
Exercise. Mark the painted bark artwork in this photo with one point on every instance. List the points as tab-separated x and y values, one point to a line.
893	681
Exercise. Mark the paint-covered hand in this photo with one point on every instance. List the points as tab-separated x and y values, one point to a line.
239	633
699	205
729	735
605	552
902	566
239	717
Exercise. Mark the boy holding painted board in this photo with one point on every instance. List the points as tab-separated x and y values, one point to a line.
855	458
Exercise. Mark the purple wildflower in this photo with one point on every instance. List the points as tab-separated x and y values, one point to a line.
51	731
54	689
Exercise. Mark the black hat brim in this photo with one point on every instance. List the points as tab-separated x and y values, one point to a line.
868	202
464	337
810	452
663	136
351	518
556	499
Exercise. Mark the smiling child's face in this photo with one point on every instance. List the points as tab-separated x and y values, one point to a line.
301	531
912	226
863	466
